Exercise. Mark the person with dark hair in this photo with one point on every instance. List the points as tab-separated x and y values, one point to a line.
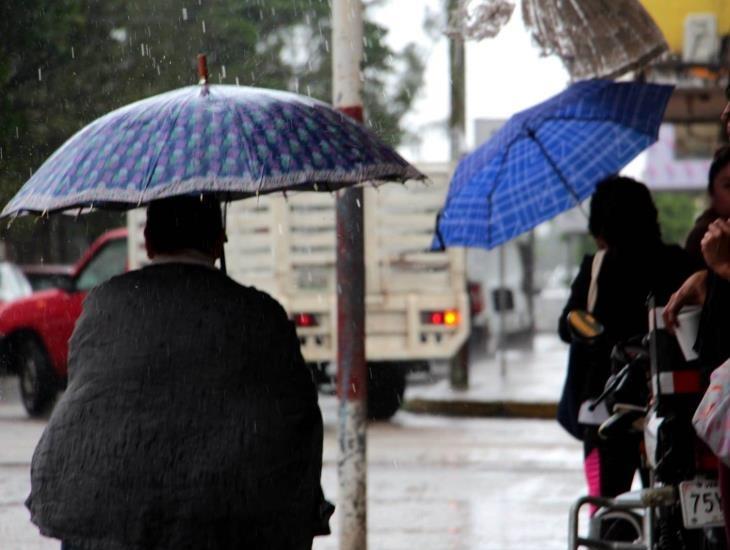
190	420
718	189
709	287
632	262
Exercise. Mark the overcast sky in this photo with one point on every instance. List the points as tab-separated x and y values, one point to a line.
504	75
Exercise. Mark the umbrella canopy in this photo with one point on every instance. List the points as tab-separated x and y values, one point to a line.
593	38
231	141
547	159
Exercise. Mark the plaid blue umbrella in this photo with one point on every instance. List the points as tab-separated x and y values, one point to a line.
547	159
230	141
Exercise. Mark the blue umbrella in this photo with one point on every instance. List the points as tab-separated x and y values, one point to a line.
230	141
547	159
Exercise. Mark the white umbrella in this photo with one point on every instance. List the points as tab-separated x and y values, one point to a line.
593	38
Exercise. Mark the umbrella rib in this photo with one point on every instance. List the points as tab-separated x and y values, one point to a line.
533	136
247	147
164	142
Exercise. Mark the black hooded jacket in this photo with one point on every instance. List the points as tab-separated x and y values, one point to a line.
190	421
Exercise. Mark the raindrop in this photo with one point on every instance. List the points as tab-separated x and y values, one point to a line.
309	91
17	132
1	153
73	53
141	46
203	26
358	203
158	69
223	71
30	171
237	82
40	74
185	14
327	46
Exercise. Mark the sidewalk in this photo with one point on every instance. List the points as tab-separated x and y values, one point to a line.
530	387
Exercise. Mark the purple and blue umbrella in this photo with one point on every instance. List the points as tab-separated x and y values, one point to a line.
547	159
230	141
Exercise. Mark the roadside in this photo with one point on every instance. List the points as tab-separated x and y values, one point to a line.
524	383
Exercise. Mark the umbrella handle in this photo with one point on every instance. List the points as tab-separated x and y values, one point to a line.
202	68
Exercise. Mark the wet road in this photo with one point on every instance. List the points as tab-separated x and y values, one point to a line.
433	483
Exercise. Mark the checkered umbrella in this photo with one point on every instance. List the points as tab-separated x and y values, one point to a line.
548	159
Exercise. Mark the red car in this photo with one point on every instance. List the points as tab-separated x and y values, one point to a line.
35	330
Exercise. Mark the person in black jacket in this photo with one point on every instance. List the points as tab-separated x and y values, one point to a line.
190	421
636	263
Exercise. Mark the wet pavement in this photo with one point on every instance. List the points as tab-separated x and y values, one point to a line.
524	381
434	482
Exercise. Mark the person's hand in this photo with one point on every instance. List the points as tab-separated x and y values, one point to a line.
692	292
716	247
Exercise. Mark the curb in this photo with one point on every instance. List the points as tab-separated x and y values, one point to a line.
483	409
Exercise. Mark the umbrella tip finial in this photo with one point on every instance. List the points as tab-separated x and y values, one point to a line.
202	69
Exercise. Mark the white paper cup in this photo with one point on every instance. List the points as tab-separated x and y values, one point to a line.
689	323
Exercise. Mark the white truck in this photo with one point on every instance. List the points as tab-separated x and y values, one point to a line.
417	306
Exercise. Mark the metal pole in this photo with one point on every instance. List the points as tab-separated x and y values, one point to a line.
459	365
347	55
502	312
457	90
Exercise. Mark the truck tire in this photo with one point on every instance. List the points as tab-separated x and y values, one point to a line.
38	383
386	386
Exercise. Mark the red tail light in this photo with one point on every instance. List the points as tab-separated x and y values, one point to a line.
447	317
305	320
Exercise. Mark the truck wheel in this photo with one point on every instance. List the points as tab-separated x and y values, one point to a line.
386	386
38	384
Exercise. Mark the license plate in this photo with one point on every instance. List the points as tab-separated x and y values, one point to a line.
701	505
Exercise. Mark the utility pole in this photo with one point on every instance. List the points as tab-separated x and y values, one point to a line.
459	368
457	80
347	56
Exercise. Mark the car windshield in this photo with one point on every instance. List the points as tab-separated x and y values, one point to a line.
13	284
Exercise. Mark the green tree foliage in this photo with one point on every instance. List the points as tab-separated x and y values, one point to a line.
677	214
67	62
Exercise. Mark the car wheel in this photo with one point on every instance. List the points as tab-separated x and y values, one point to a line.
386	387
38	384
